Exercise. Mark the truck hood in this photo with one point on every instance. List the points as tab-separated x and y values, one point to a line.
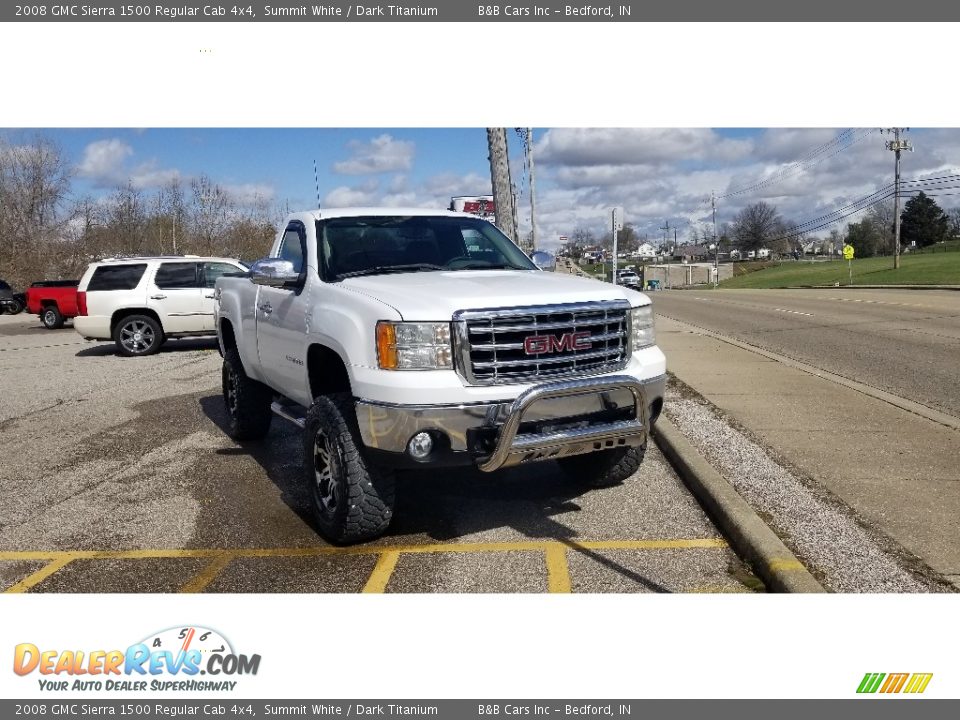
437	295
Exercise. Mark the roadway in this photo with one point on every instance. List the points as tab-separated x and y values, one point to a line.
905	342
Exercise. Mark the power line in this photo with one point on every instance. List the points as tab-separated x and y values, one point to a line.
807	161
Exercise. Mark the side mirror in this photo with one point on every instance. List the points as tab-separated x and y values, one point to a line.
544	260
273	272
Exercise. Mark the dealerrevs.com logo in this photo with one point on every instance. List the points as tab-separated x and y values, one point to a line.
172	659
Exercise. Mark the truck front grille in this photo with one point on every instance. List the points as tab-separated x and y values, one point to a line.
513	345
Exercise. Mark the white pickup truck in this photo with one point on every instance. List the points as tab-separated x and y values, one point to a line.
411	338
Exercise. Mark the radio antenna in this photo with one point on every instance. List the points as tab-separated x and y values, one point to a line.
316	181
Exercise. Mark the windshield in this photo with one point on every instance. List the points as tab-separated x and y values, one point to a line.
355	246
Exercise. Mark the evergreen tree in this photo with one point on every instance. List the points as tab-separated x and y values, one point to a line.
923	221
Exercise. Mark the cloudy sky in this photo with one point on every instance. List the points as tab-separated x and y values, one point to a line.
656	175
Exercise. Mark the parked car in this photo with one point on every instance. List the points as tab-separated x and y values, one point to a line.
141	302
54	301
10	302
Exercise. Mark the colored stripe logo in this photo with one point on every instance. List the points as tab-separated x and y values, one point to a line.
913	683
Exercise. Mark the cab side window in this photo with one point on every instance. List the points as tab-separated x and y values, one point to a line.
291	248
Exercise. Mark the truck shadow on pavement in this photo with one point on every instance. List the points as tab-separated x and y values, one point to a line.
447	504
171	346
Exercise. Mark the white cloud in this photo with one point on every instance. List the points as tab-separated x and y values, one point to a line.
248	193
636	146
448	185
149	176
380	155
103	162
343	196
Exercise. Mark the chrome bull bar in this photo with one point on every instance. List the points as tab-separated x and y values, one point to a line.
512	448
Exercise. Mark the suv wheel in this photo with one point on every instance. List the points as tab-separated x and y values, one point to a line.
138	335
352	500
604	468
247	401
51	318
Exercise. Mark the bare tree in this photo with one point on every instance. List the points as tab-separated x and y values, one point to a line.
209	212
757	226
954	228
882	217
34	182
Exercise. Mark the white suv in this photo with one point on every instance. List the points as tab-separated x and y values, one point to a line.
140	302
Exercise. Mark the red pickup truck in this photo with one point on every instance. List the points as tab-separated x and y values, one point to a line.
54	301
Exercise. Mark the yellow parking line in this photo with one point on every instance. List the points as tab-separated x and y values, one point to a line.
531	545
509	546
786	565
386	564
558	572
558	580
649	544
209	573
40	575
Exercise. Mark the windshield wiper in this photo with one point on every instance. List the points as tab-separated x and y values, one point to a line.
384	269
485	266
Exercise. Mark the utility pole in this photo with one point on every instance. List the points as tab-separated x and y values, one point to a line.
526	134
666	230
504	207
897	145
716	244
616	226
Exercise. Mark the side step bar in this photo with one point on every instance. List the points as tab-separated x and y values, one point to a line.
289	412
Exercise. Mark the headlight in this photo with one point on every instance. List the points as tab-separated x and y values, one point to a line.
413	346
642	330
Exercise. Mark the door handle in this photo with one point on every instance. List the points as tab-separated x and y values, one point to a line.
158	297
266	308
210	297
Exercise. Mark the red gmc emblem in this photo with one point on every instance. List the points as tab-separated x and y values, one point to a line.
568	342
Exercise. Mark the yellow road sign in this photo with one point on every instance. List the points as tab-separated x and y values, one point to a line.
848	252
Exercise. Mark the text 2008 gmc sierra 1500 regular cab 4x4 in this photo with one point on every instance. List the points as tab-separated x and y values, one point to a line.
407	338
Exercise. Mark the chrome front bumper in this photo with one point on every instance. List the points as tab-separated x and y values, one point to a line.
390	427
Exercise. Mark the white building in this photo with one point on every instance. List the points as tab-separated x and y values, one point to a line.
645	251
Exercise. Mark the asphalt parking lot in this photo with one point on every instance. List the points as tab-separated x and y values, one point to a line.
117	476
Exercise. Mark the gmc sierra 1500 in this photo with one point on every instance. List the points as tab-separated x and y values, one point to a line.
402	338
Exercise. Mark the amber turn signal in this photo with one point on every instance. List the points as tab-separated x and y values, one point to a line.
386	346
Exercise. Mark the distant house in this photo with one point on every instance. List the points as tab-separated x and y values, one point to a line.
762	254
646	251
694	253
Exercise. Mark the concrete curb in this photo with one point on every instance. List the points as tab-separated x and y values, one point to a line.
869	287
750	537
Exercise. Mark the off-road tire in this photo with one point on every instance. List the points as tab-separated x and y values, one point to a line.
124	333
51	317
352	499
605	468
247	401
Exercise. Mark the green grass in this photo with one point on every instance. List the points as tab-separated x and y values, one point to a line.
745	268
948	246
915	269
